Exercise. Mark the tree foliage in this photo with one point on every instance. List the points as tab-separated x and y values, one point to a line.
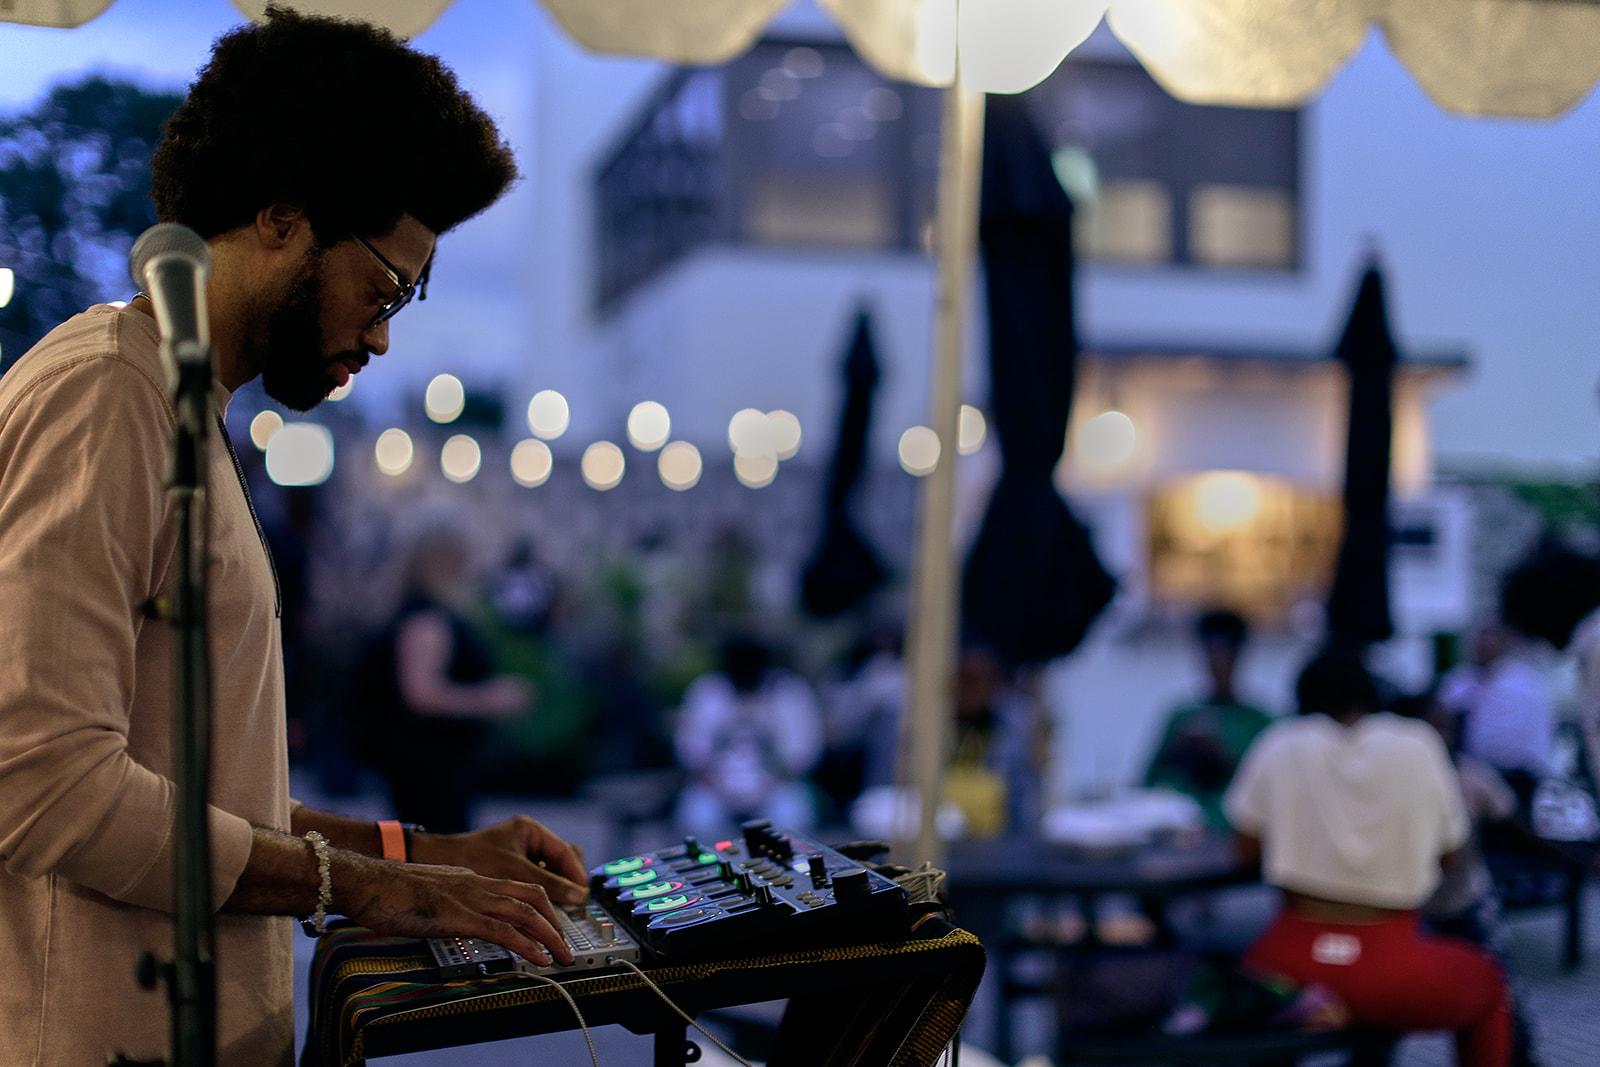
74	193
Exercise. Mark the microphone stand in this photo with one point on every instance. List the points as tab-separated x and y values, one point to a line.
191	976
192	984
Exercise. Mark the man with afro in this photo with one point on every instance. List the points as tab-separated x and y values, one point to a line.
320	160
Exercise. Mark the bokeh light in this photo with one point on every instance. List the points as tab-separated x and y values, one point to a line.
394	452
263	426
1107	440
444	399
972	432
531	462
603	466
548	414
919	451
8	285
1226	500
649	426
460	458
341	391
783	431
680	466
750	433
803	62
300	453
755	470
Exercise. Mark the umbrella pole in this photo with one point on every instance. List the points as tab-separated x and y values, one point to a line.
931	626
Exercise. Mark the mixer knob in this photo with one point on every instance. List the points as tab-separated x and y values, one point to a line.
764	896
691	846
819	870
725	870
756	834
742	882
608	931
851	885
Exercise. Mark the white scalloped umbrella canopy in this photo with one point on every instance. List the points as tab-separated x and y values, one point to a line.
679	31
1521	58
407	18
51	12
906	40
1516	58
1004	46
1265	53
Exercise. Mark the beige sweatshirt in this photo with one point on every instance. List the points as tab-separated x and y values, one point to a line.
87	537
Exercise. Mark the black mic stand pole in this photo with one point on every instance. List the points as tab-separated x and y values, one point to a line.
192	982
191	977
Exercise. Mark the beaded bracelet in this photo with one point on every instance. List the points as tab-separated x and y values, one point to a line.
317	924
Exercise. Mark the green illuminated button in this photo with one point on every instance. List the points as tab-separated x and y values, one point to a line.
648	874
623	866
667	903
706	859
656	889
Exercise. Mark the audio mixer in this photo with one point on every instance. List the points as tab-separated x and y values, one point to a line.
767	890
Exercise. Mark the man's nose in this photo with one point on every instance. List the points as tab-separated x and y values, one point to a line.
376	338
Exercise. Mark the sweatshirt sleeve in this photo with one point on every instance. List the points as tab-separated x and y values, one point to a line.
84	544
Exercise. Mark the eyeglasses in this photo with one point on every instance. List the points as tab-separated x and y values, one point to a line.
406	289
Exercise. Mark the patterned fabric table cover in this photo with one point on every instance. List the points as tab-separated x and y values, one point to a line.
895	1003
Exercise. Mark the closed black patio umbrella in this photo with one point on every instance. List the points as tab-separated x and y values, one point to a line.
1032	584
1358	603
843	569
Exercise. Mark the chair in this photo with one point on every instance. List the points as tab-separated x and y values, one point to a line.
1528	877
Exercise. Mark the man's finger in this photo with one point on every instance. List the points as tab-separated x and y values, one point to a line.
528	919
507	935
535	895
541	843
558	888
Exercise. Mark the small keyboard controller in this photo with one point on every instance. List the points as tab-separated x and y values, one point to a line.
596	940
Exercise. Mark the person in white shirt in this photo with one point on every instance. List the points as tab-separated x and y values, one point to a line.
1352	812
1508	717
747	735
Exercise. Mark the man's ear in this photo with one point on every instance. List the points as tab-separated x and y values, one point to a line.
279	226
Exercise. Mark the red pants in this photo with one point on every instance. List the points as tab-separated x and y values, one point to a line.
1392	977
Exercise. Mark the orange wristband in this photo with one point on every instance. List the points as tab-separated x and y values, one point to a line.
393	836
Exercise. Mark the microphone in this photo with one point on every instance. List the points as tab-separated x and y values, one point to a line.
169	264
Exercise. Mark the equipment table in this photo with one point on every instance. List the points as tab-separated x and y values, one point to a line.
874	1005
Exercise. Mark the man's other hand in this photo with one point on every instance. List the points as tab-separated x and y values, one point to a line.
520	849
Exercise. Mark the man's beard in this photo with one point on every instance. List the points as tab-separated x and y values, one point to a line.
294	371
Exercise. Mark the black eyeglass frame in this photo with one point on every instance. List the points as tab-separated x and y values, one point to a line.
407	289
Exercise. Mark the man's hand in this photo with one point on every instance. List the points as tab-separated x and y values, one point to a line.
415	899
421	900
520	849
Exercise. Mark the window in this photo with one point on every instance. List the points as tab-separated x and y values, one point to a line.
1161	182
791	145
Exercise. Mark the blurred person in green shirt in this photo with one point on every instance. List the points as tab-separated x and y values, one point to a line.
1204	740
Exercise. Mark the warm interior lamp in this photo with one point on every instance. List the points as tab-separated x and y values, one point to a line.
1226	500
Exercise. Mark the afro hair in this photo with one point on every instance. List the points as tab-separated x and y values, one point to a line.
338	118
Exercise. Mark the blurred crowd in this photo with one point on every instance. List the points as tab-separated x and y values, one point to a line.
472	668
